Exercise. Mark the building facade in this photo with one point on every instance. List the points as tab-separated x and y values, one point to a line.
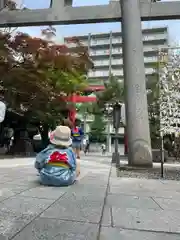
105	50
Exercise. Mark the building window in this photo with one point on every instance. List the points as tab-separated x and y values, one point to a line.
94	41
116	40
116	50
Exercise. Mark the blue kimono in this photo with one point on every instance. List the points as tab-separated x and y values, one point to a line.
57	167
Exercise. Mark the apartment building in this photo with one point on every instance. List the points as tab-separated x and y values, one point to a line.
105	50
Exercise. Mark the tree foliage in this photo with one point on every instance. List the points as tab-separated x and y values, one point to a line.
88	108
97	129
114	92
36	73
169	97
152	86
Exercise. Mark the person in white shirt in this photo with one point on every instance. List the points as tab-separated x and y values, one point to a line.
103	148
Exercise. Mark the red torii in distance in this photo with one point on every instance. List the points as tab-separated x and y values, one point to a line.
82	99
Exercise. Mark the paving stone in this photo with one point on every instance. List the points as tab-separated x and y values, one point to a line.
107	217
48	229
25	205
12	222
171	204
9	190
146	185
154	194
85	195
31	181
44	192
147	219
6	179
90	185
122	234
160	191
96	181
125	201
131	185
88	190
81	191
77	210
20	173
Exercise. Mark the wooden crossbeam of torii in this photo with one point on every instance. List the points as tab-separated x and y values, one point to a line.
62	12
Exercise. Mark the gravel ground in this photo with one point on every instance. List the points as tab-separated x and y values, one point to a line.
152	173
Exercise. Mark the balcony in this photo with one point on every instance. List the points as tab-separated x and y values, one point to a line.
98	63
99	52
152	37
116	62
93	74
116	51
99	42
149	71
105	52
118	40
118	73
150	59
154	48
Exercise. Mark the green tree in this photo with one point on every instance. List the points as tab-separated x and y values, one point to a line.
114	92
98	126
88	108
152	86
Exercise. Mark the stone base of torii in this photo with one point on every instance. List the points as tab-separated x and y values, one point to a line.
130	12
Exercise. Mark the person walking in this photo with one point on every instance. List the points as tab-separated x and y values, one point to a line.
84	142
87	145
77	136
8	137
103	148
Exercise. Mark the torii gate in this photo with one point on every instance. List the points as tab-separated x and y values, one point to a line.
82	99
130	12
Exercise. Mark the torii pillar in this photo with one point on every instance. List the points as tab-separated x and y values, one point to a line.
139	143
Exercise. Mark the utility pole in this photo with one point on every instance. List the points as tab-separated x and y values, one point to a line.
2	4
135	85
109	139
108	113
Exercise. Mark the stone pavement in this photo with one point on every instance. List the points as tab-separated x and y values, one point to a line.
99	206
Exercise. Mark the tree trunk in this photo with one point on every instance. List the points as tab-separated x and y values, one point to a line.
44	131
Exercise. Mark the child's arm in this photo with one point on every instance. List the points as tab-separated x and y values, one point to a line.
76	164
40	161
73	160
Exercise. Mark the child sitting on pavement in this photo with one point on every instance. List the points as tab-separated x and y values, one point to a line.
57	164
